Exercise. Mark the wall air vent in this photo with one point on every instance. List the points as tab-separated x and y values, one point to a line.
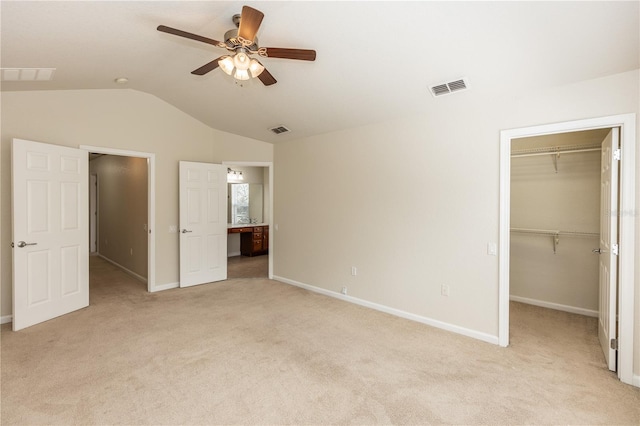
450	87
280	129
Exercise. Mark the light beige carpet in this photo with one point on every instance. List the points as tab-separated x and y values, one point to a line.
254	351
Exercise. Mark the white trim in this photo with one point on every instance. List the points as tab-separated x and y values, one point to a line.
556	306
626	279
269	165
151	204
636	381
6	319
128	271
233	254
167	286
396	312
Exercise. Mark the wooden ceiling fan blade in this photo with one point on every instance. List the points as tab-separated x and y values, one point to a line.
266	78
180	33
207	67
300	54
250	21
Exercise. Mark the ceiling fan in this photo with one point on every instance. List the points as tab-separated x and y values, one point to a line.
243	43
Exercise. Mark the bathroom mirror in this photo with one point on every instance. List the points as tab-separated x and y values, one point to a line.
245	203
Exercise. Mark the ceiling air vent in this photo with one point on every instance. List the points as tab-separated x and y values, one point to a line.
450	87
279	129
27	74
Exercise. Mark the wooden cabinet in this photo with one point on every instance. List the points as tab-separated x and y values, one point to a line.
254	240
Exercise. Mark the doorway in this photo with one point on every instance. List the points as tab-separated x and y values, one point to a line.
626	257
147	227
240	266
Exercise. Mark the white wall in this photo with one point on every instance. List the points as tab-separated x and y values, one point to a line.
119	119
568	200
413	202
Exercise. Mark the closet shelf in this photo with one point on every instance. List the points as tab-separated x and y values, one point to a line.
555	234
555	151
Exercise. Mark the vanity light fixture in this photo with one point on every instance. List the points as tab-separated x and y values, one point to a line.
234	174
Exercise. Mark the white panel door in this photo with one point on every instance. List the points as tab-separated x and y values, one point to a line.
607	326
50	231
203	223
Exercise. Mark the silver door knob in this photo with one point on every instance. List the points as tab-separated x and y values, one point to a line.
597	251
184	231
23	244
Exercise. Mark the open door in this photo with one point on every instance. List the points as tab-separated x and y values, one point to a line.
50	231
203	223
607	325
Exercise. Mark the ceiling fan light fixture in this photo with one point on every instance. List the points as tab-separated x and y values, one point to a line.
256	68
226	64
241	60
241	74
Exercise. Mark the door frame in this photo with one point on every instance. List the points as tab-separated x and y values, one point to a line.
627	203
93	218
269	165
151	204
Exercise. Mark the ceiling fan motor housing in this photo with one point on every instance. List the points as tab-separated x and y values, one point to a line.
232	42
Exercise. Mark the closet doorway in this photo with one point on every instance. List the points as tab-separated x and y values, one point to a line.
532	230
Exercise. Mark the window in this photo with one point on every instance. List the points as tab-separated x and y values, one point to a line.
240	203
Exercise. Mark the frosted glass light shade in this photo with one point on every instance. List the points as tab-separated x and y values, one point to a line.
226	63
241	74
241	61
255	68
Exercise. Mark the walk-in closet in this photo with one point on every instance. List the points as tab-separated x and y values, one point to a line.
555	221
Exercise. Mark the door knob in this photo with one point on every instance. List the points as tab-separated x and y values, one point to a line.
597	251
23	244
184	231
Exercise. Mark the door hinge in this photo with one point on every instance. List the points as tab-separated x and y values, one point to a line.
617	154
614	344
615	250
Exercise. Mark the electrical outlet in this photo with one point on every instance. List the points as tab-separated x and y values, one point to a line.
444	290
344	290
173	228
354	271
492	249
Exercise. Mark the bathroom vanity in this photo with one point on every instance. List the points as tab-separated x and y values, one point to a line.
254	239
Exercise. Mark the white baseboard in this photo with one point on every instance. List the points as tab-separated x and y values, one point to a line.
397	312
6	319
233	254
556	306
128	271
636	381
167	286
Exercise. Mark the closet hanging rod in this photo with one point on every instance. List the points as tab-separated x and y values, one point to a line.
554	232
534	154
555	150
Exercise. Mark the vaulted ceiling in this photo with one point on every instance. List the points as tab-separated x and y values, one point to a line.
375	60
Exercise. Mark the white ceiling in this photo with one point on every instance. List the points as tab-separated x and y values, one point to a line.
503	48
